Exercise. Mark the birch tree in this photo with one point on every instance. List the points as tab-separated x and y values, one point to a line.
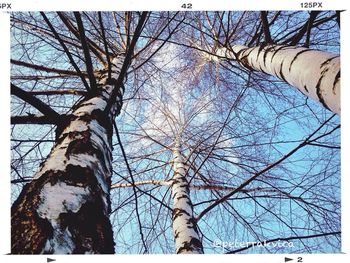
207	148
245	185
171	115
313	72
229	174
65	207
184	224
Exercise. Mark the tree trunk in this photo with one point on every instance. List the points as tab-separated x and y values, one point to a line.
65	208
315	73
184	224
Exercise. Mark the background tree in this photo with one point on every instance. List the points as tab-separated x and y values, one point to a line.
261	159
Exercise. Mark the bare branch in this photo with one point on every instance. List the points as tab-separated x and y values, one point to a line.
284	239
267	168
266	28
66	51
32	119
46	69
88	62
98	52
35	102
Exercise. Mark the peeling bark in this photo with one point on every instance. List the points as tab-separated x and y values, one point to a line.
315	73
65	209
185	229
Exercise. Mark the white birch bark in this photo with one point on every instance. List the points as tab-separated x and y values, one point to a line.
65	209
315	73
185	229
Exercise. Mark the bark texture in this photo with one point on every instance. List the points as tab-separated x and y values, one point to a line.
315	73
185	229
65	209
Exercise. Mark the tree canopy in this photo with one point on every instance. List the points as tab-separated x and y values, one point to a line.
263	159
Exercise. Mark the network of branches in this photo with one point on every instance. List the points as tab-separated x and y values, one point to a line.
263	159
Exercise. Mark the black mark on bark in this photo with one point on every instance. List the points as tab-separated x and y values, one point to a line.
296	56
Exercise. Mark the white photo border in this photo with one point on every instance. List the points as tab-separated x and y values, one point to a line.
170	5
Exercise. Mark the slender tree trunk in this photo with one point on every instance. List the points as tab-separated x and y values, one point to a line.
315	73
65	208
184	224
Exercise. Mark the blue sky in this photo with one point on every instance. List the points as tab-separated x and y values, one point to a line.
279	120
